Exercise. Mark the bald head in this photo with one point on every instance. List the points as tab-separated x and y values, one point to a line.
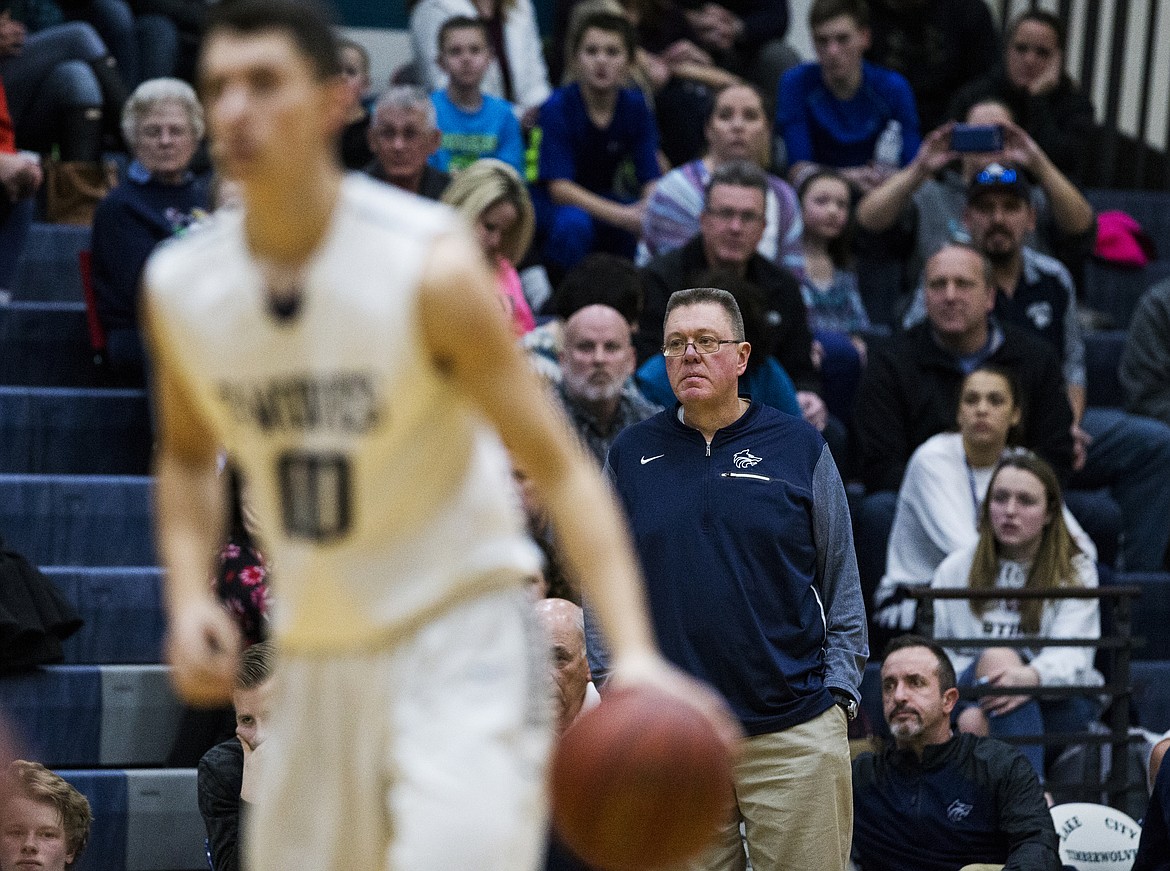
597	356
564	627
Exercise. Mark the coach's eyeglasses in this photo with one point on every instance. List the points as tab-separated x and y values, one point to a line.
704	345
997	175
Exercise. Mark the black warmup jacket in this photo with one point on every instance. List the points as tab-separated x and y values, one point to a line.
910	391
968	800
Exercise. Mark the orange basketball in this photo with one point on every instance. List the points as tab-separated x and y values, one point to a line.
641	781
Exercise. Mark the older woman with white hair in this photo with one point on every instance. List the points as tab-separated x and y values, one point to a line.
162	123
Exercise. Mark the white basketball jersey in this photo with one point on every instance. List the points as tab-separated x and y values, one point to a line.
383	496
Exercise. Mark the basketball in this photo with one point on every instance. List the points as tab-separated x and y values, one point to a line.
641	781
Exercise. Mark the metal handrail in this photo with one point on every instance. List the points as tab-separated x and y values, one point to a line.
1118	646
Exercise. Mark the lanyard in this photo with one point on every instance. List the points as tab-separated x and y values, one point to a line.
974	489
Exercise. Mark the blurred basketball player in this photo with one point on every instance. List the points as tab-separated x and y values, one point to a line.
343	341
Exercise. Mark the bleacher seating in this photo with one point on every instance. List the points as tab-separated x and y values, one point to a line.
122	610
1151	694
1102	357
71	430
1115	290
74	498
78	520
1151	615
144	820
44	344
48	270
93	715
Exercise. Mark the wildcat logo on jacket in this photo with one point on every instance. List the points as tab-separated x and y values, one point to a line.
1040	314
958	811
744	459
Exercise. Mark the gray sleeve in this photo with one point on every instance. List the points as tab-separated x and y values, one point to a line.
1074	340
1145	364
596	649
838	583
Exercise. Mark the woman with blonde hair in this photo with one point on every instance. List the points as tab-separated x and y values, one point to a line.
1023	543
495	201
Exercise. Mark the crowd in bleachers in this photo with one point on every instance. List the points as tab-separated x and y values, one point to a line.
856	205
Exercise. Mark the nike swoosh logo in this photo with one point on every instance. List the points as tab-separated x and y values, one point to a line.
646	460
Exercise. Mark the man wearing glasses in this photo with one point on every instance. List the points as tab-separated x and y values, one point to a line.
730	229
740	520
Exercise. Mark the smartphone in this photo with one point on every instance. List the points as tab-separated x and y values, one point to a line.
977	137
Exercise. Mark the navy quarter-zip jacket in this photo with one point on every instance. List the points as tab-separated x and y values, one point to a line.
748	555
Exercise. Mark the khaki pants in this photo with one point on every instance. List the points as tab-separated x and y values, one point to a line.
794	796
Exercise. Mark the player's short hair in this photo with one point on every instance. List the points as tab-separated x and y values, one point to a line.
945	669
610	22
463	22
737	173
255	665
354	45
697	295
33	781
407	97
153	92
486	183
600	279
826	10
305	22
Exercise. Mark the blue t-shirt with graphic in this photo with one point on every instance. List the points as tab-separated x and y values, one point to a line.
490	131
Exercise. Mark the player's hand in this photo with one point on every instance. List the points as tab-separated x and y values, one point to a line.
202	648
1015	676
813	408
652	671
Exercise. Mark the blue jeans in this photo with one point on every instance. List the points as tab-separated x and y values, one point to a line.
840	371
50	81
570	233
1036	717
1131	456
145	46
